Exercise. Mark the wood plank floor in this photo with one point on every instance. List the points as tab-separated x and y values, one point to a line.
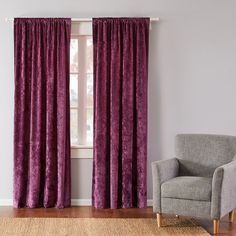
89	212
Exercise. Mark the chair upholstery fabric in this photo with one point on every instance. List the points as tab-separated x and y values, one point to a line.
162	171
224	190
200	155
200	181
187	187
185	207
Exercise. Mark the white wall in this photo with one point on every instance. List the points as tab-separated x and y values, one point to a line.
192	78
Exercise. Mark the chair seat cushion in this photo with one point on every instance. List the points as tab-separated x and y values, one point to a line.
187	187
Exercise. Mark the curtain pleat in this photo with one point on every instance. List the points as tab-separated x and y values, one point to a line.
42	115
120	112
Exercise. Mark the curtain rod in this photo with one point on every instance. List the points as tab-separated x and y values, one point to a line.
90	19
78	19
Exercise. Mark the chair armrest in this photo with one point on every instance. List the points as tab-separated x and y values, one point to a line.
223	198
161	172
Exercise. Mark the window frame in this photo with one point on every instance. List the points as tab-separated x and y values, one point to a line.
81	151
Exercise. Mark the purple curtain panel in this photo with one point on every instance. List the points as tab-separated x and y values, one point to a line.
120	112
41	116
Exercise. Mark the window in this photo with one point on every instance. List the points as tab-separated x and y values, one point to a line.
81	90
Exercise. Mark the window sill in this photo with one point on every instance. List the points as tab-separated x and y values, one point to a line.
81	152
74	146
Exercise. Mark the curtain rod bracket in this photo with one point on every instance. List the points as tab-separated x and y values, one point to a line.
78	19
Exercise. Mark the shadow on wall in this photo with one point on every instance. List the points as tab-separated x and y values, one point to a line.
154	122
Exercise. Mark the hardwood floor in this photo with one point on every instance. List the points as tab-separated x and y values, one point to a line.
226	228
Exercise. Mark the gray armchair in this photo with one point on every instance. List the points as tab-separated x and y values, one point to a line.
200	182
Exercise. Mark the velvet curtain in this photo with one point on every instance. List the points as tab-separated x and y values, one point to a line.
41	116
120	112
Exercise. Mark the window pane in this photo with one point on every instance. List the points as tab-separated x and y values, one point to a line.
73	90
74	55
74	126
81	90
89	55
89	127
89	90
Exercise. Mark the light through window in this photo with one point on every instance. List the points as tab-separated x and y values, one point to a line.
81	90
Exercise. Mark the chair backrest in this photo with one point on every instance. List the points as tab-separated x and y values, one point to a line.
201	154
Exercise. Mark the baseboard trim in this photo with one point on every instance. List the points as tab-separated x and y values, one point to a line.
74	202
6	202
88	202
149	202
81	202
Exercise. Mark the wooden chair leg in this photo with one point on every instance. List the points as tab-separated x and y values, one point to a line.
231	216
216	225
158	220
